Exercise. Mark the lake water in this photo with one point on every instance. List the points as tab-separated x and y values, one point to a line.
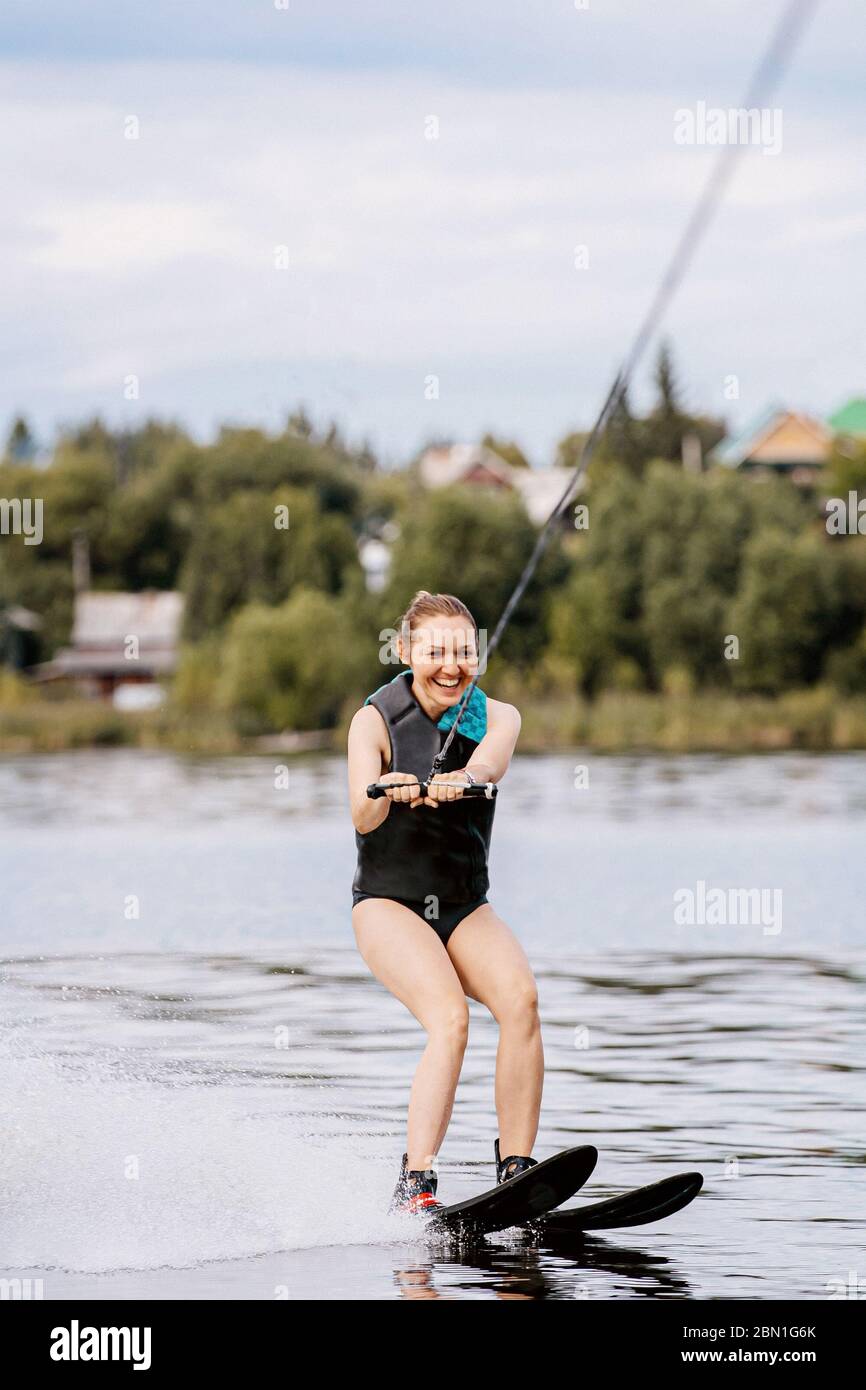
203	1090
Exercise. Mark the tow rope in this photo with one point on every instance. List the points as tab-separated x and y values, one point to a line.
764	81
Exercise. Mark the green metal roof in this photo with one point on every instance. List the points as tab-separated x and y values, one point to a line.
851	419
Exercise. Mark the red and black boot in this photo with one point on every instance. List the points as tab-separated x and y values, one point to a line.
509	1167
415	1192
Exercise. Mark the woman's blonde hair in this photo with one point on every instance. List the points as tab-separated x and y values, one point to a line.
427	605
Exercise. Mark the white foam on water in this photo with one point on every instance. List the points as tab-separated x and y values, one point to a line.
214	1182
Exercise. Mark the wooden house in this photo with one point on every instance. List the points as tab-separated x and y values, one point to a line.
781	441
475	465
122	646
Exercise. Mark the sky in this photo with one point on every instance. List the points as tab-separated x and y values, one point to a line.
423	221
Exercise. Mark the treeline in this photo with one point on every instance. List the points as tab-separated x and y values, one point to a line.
676	582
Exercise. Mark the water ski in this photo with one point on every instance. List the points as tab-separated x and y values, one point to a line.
635	1208
517	1201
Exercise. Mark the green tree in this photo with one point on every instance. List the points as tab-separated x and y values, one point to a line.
596	619
245	459
624	441
299	424
241	552
667	422
615	542
474	543
583	624
20	444
787	604
695	531
570	448
846	667
846	468
290	667
506	449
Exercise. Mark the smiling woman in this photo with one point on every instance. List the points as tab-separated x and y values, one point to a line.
422	864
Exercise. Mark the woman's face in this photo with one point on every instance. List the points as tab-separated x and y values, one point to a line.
443	656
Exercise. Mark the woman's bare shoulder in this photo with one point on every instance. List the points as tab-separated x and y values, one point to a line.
367	721
500	713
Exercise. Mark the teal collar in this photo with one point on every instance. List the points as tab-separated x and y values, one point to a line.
473	723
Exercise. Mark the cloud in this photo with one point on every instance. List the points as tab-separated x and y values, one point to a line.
406	256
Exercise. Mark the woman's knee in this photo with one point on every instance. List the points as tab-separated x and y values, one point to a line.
518	1006
450	1024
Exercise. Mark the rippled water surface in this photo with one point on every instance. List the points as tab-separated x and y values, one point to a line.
203	1090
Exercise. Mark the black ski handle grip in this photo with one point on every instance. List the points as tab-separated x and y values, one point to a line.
485	789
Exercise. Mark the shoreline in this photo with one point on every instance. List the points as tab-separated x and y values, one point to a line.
818	719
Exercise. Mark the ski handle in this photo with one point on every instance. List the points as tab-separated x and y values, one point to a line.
485	789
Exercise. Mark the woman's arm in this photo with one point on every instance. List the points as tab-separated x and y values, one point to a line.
489	762
366	760
369	752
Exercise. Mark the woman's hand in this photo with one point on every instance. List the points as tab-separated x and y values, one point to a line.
447	786
404	787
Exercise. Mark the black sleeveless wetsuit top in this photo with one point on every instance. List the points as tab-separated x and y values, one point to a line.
418	852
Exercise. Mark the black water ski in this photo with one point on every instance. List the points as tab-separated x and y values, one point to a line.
518	1200
635	1208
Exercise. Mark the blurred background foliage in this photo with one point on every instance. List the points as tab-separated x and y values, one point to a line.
282	632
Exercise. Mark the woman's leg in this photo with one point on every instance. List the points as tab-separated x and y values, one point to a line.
492	967
404	952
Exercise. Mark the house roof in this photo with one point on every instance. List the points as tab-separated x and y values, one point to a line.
69	662
101	627
851	417
22	618
105	620
441	466
777	435
540	488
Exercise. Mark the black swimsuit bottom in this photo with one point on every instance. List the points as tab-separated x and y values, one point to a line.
450	914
